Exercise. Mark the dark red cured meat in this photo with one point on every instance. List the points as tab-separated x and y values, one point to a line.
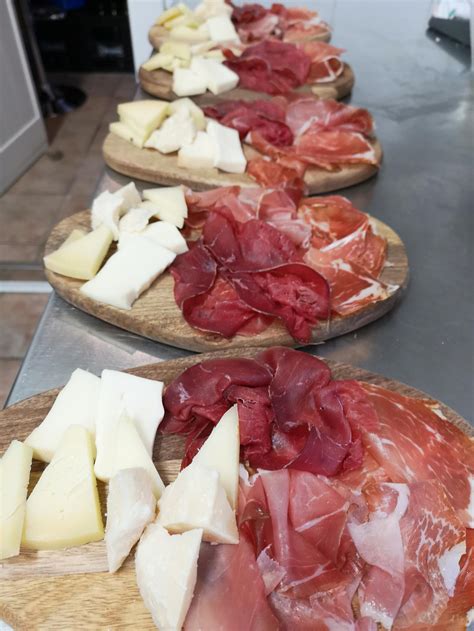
265	116
194	272
266	26
248	13
414	443
294	293
272	67
229	592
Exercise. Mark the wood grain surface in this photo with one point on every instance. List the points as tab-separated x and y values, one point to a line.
156	315
152	166
159	83
159	34
69	590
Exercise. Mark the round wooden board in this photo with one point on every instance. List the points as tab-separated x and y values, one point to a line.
159	83
41	591
152	166
159	34
156	315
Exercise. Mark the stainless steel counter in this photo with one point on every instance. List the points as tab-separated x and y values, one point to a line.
419	89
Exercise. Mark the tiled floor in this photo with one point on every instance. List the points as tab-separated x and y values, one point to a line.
60	183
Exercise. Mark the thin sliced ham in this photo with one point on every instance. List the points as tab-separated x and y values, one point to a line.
326	63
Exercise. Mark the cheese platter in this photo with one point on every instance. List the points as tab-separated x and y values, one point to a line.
228	22
251	72
67	588
320	144
159	302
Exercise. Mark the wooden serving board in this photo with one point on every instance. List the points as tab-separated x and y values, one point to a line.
152	166
159	34
159	83
157	316
71	589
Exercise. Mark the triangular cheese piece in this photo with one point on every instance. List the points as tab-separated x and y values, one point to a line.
196	499
131	505
14	477
166	569
63	509
221	451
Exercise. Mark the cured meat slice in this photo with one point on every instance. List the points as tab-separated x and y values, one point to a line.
434	540
270	66
326	64
268	173
330	149
229	592
303	113
194	272
259	29
414	442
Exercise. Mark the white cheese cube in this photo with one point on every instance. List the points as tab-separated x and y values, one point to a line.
107	210
228	148
190	35
63	509
221	29
188	83
159	60
221	452
177	130
166	569
219	78
140	400
201	154
135	221
196	112
166	235
129	195
196	499
170	203
176	50
76	404
81	258
131	506
14	477
128	273
210	8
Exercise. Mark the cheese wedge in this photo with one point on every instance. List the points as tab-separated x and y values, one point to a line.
186	82
177	130
14	477
221	29
196	112
210	8
123	131
221	452
83	257
106	210
159	60
76	404
142	117
131	506
135	221
189	35
130	452
128	273
228	149
219	78
162	232
201	154
76	234
196	499
63	509
176	49
187	19
129	195
170	202
169	14
166	570
140	400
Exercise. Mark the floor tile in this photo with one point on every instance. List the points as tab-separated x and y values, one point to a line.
52	174
8	371
17	253
27	219
19	316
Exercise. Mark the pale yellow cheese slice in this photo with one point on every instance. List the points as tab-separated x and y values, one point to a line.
123	131
14	477
82	257
143	117
169	14
63	509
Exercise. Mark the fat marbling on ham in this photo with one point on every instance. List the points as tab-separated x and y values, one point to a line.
256	254
298	132
335	547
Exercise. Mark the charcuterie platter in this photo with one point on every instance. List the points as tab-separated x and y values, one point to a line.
159	83
72	589
153	166
156	315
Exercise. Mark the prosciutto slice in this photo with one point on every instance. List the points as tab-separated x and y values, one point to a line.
414	442
326	63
